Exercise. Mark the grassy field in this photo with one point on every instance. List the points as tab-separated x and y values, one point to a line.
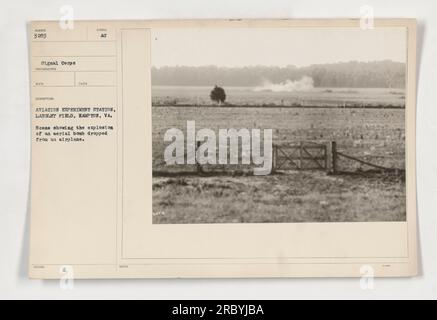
298	196
375	135
247	96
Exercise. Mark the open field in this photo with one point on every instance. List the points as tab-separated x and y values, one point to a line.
297	196
375	135
256	96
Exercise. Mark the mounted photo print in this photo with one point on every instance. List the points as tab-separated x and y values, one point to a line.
223	148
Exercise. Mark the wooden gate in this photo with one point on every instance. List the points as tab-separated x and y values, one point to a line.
302	156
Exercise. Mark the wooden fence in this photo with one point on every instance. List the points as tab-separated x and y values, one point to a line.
315	156
290	156
336	155
302	156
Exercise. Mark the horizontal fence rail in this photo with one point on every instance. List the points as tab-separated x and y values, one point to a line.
304	155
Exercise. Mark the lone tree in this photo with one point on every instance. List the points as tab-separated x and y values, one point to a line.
218	95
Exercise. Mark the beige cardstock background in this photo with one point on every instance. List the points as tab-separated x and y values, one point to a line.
91	202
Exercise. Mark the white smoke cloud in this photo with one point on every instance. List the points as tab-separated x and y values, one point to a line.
304	84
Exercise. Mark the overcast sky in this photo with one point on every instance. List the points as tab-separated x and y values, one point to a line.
275	47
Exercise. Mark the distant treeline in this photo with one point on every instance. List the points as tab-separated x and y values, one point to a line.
354	74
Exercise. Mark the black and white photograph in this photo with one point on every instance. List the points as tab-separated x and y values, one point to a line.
278	125
240	152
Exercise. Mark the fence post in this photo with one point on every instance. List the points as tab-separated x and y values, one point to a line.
198	165
334	156
325	155
300	155
275	157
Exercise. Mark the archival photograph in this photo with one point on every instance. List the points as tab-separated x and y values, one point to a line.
278	125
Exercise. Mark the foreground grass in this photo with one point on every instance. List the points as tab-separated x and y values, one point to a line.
297	196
